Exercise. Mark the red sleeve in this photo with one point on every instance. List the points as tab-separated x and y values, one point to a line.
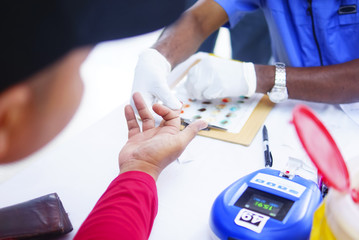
126	210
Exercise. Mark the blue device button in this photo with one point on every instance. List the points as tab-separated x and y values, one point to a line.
293	191
282	187
259	180
271	184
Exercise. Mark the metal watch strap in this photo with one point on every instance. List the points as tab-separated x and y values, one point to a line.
279	92
280	75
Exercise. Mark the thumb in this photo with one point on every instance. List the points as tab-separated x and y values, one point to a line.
191	130
167	97
180	71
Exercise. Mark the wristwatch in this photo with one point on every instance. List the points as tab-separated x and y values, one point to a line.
279	92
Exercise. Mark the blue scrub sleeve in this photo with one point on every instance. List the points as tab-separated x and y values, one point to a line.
236	9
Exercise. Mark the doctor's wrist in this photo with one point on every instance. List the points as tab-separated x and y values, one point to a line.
265	77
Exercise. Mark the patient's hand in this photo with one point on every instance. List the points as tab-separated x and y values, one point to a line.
153	148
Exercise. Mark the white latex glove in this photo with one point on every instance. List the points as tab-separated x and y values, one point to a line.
215	77
181	70
151	80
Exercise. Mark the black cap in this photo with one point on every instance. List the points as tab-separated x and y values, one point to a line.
35	33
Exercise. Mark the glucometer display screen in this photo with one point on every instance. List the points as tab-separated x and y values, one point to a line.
263	202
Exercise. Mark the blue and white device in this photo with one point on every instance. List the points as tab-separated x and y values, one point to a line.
265	204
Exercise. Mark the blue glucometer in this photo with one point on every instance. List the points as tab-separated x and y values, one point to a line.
266	204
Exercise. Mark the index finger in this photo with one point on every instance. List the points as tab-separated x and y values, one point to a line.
132	124
148	122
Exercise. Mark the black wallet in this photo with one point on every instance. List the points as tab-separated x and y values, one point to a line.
39	218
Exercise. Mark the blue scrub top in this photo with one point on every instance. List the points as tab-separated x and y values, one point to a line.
305	33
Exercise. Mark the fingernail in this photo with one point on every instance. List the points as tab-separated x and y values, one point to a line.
203	124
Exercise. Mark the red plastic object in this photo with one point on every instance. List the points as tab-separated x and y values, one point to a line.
321	148
355	195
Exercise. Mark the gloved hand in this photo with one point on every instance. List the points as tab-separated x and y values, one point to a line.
182	69
215	77
151	80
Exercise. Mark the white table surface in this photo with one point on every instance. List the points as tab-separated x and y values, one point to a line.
82	161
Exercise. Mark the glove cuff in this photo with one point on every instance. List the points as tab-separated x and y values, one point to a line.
154	56
250	77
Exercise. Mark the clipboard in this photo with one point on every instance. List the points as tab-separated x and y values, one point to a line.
250	129
252	125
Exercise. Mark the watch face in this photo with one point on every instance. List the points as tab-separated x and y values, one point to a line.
278	95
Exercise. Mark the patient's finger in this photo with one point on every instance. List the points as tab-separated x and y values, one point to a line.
170	117
132	124
148	122
191	130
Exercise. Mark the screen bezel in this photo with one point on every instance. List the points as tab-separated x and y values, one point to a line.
249	192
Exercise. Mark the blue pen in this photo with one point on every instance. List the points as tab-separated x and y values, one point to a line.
268	159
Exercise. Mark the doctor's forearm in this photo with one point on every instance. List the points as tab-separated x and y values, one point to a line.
183	38
330	84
